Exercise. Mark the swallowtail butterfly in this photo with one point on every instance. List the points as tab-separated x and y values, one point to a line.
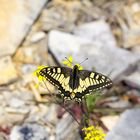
74	83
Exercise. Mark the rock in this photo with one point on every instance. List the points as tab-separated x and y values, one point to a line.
15	106
131	34
32	53
110	121
133	80
134	92
3	136
7	70
16	111
11	116
43	89
65	15
52	137
37	113
29	132
16	20
107	60
136	49
51	61
23	95
119	104
38	36
67	129
131	38
98	31
127	128
27	69
16	102
50	19
51	116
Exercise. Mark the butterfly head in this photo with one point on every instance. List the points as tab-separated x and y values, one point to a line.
78	65
75	67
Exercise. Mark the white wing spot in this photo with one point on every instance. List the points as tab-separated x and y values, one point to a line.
92	75
97	76
58	70
108	80
54	70
103	77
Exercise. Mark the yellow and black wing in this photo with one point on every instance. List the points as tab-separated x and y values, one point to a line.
59	77
89	81
75	86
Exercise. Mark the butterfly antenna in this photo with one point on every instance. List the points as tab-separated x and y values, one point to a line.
68	60
84	60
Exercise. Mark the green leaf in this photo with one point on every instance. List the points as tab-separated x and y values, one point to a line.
92	100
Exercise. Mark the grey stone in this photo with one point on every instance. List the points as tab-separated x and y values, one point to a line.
16	102
106	59
29	132
67	129
8	72
129	21
24	110
98	31
11	116
17	19
37	37
38	113
3	136
28	68
119	104
110	124
133	80
51	116
32	53
136	49
127	128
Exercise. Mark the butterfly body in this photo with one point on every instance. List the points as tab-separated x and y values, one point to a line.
75	83
74	79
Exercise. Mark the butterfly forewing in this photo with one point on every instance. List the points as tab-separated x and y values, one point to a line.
91	81
58	76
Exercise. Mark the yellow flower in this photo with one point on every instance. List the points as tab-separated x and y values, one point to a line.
36	73
69	63
93	133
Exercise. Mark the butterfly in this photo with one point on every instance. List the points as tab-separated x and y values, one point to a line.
73	83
